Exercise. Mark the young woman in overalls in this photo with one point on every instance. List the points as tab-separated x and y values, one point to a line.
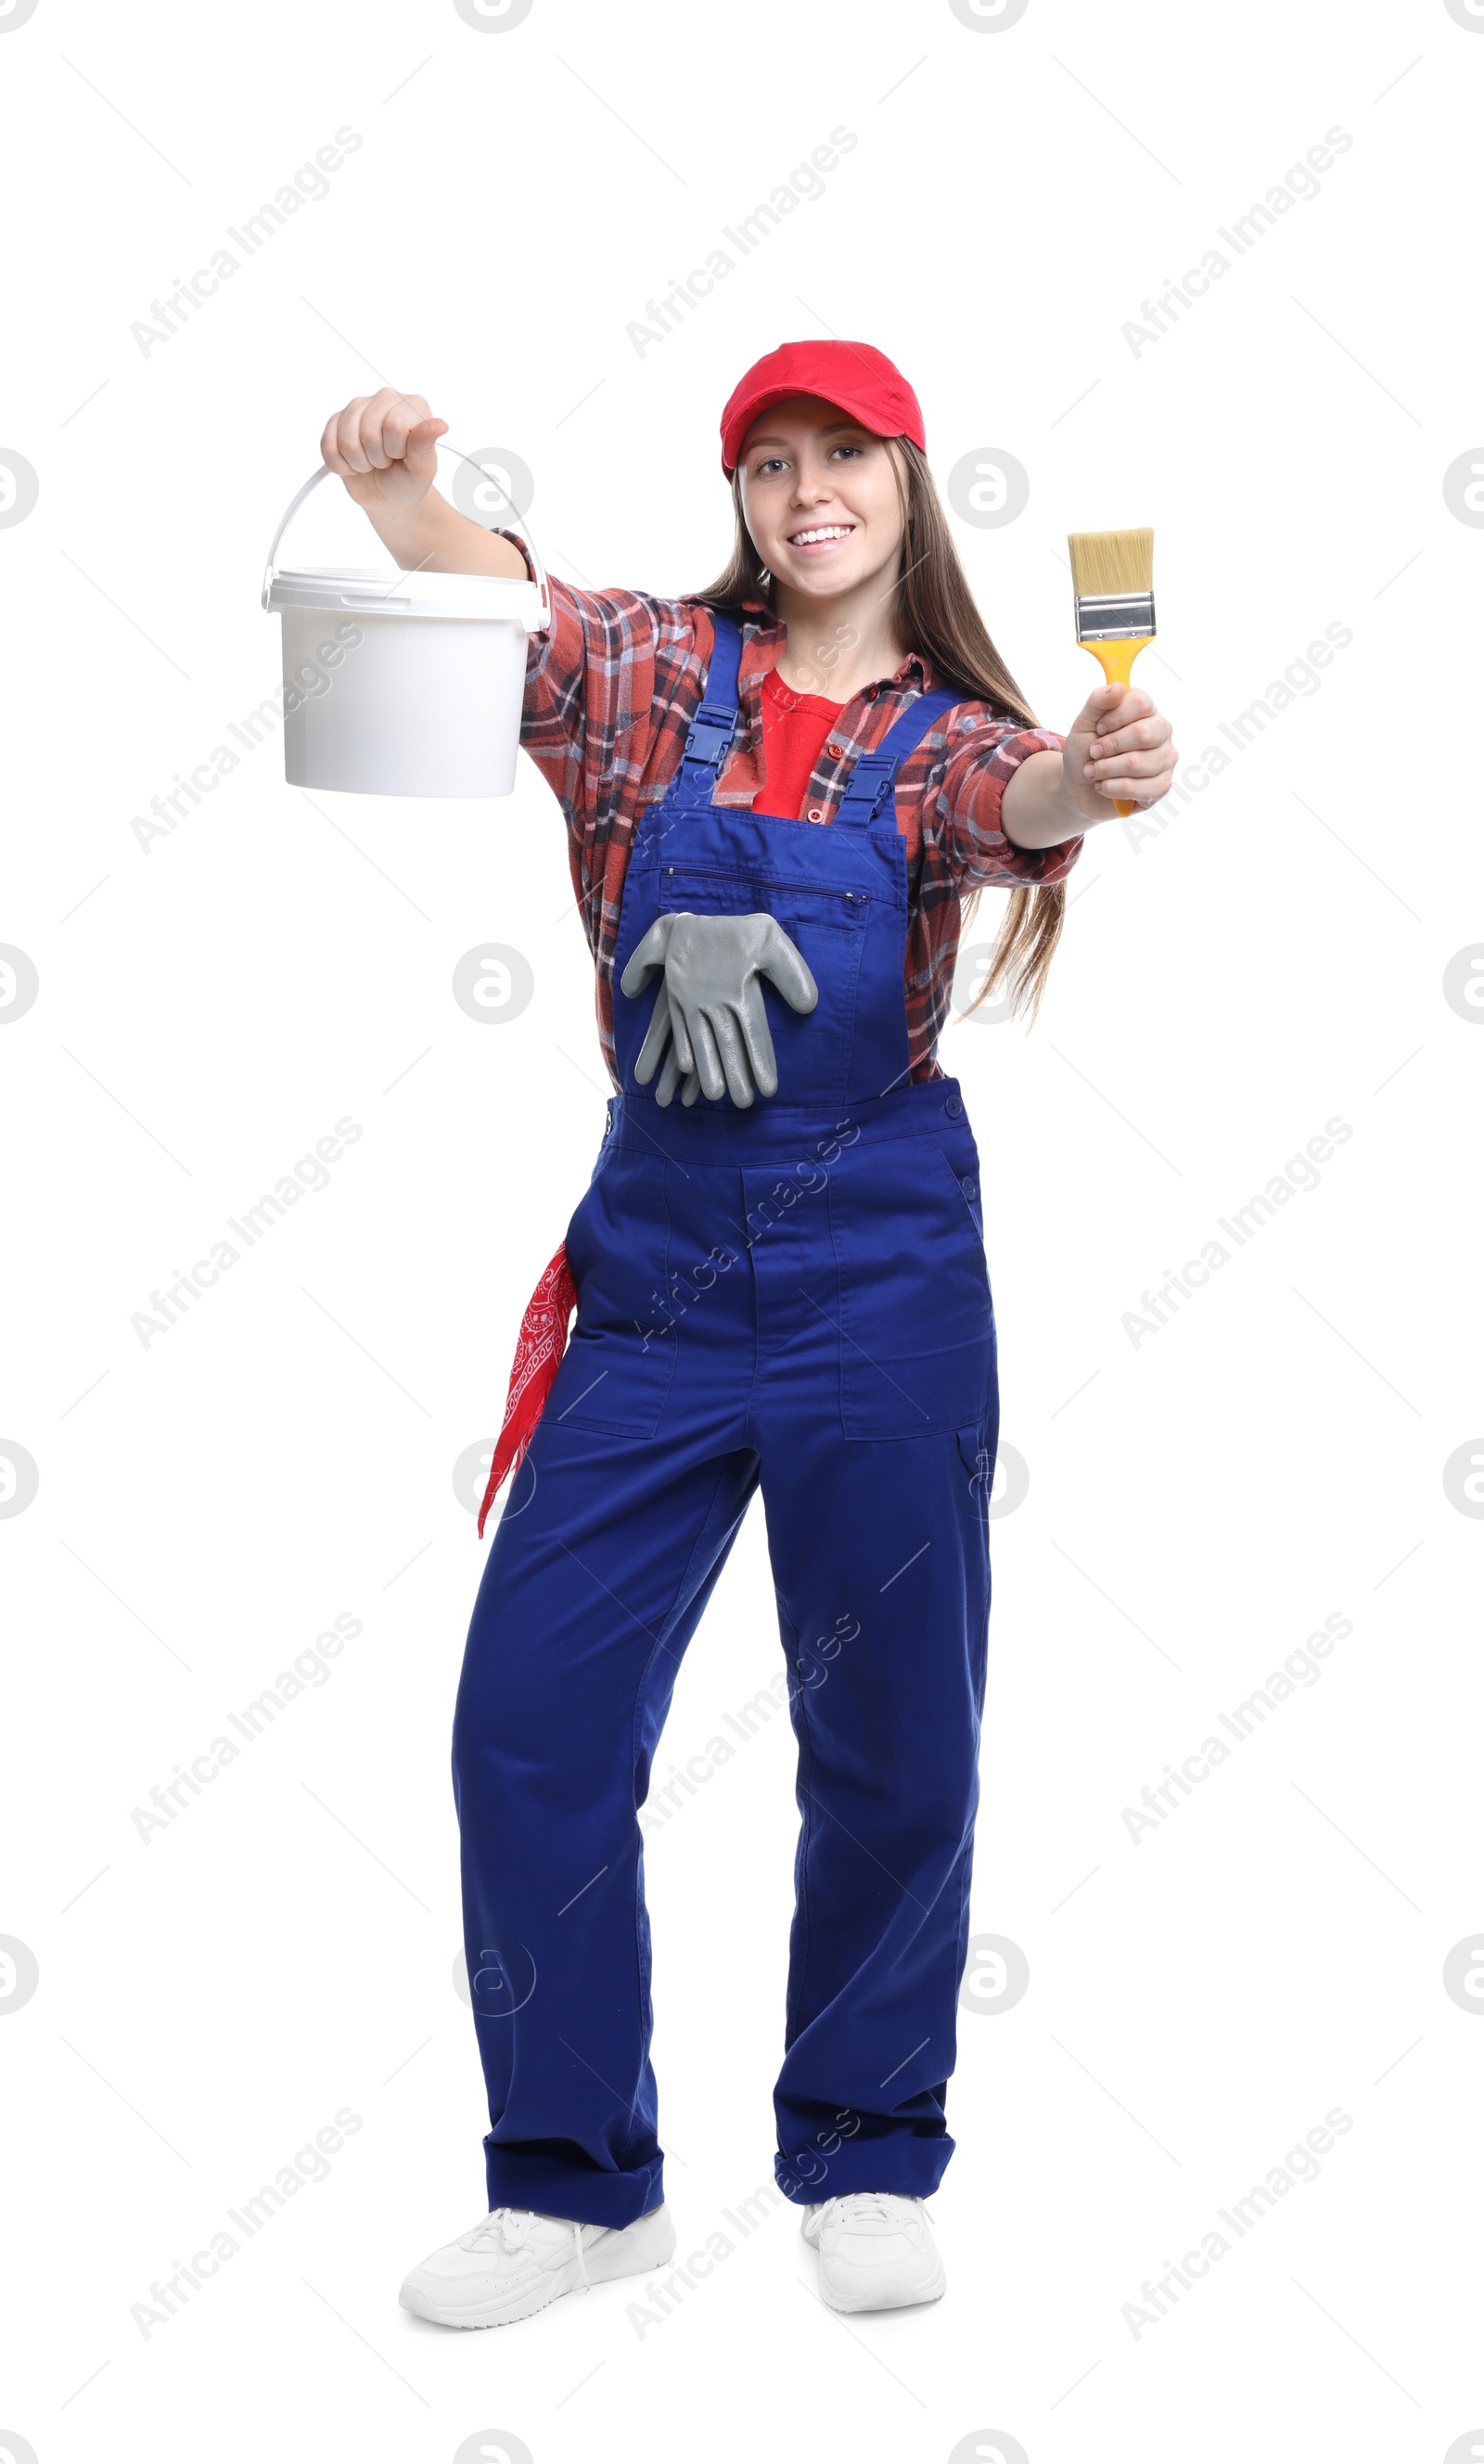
792	779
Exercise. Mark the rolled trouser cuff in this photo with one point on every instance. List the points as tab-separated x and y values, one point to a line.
911	2166
516	2177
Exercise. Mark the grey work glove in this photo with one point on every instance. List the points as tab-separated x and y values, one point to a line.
709	1024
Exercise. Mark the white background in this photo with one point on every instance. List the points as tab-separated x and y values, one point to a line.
1197	1504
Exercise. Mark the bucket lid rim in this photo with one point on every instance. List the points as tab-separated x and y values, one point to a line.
499	595
425	579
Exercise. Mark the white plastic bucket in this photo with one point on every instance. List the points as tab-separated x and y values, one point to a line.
408	684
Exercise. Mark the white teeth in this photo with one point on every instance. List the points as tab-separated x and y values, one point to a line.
807	539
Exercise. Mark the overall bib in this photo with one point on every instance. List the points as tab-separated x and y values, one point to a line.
792	1296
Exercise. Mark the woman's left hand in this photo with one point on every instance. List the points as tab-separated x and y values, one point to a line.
1120	748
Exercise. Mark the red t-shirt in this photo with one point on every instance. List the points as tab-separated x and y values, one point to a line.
794	727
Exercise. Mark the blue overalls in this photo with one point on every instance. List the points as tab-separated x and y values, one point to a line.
792	1296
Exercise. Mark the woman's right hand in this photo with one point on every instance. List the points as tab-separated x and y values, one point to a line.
383	446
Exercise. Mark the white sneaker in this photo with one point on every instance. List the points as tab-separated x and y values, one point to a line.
514	2261
876	2251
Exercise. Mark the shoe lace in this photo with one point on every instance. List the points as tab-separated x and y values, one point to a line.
860	2208
510	2228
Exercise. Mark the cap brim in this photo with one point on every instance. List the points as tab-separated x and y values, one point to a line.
795	393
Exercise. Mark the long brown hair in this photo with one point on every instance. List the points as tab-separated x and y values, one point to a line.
933	611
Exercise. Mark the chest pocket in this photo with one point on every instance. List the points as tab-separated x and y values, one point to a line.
828	927
917	1320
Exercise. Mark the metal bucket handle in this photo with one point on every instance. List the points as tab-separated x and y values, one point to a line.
539	569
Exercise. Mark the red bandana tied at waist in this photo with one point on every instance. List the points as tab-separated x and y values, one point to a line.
538	1349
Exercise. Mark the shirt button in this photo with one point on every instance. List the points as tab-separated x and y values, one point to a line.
953	1106
967	1186
816	813
836	752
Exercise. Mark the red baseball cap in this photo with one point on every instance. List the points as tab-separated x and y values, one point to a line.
858	379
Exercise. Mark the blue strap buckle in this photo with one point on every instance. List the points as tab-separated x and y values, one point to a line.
709	734
869	784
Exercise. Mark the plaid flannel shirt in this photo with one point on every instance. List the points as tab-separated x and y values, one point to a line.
610	693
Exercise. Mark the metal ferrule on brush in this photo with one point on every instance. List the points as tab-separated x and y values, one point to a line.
1115	616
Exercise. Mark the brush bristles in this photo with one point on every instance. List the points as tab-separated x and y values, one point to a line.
1109	563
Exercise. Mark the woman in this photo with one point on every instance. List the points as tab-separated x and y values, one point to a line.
780	1281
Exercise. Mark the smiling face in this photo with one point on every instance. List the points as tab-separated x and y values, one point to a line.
819	496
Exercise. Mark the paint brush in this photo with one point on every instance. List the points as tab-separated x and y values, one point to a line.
1113	577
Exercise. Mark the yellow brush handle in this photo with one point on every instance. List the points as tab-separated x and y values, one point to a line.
1116	659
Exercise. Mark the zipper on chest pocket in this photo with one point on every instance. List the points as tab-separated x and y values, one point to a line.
855	901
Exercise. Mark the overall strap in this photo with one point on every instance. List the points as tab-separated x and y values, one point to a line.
869	787
709	736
